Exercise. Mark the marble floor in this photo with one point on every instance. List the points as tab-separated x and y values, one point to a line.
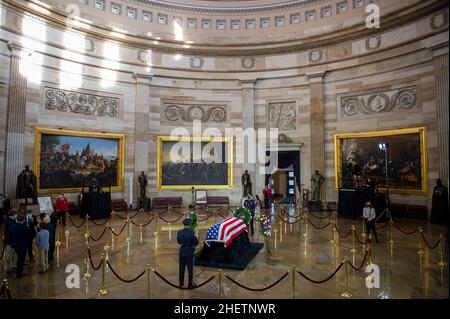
308	249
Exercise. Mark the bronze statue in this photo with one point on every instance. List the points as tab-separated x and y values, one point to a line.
143	184
246	183
27	185
316	183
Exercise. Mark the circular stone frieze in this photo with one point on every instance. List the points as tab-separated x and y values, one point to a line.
373	42
315	56
439	20
143	56
196	62
196	113
248	62
218	114
173	113
406	99
89	45
378	103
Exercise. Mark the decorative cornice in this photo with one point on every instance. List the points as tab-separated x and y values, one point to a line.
242	10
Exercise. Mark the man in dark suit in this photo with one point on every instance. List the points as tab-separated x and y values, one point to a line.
187	240
19	240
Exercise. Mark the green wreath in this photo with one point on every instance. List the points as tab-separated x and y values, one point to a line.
244	214
194	221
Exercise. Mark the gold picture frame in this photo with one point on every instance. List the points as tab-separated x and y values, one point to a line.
39	132
421	131
229	157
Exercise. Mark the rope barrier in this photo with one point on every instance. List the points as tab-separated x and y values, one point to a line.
381	227
100	237
340	234
3	251
286	212
171	221
318	227
125	280
118	234
257	289
143	225
360	241
362	262
324	280
405	232
75	225
4	291
121	216
91	262
100	224
183	288
317	217
426	242
204	219
288	222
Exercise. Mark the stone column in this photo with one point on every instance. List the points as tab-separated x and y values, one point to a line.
15	128
142	134
248	121
317	138
441	79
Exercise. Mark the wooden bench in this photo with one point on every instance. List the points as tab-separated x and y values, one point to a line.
409	211
218	201
164	202
119	205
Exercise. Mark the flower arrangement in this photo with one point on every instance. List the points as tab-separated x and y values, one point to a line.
244	214
194	221
265	227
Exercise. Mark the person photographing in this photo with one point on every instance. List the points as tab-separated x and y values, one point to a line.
188	241
369	216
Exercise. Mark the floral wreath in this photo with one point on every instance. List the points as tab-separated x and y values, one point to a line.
244	214
194	221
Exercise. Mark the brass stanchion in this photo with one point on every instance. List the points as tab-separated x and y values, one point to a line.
86	275
353	250
305	234
293	282
275	238
220	283
103	291
149	279
112	238
128	227
128	240
66	233
106	248
87	224
391	225
140	234
346	293
170	230
442	263
420	251
57	244
363	234
333	233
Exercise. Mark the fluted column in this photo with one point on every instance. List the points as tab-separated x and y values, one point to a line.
248	121
142	134
15	128
441	80
316	125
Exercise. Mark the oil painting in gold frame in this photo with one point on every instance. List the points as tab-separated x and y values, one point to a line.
188	173
66	161
358	156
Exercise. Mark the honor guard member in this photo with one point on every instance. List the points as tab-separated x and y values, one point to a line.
187	240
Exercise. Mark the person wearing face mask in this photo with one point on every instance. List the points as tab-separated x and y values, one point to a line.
10	258
369	216
62	206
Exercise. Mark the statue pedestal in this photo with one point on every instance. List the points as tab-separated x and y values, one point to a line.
315	206
144	203
35	210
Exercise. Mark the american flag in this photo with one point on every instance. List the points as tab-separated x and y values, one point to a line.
225	231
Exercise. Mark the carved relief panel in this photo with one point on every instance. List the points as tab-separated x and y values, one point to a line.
377	102
282	115
178	111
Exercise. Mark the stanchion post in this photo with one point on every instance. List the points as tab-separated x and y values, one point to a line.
333	230
346	294
170	230
106	248
87	224
112	238
442	263
391	225
293	281
420	251
363	234
140	234
57	244
66	233
220	283
306	224
149	279
128	227
103	291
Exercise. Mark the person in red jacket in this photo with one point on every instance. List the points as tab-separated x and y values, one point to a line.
62	206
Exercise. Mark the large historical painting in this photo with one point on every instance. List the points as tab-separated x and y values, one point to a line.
66	161
184	163
359	157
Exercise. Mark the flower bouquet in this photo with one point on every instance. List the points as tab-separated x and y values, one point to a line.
194	221
265	229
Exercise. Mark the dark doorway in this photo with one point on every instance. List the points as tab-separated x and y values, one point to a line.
286	159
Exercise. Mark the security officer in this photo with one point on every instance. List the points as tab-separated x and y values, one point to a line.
187	240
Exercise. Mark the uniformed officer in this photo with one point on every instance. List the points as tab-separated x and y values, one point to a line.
187	240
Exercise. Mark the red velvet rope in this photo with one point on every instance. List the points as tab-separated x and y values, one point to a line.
288	222
286	212
426	242
324	280
75	225
257	289
118	234
171	221
100	237
92	263
325	217
362	262
120	216
359	240
125	280
183	288
3	251
204	219
143	225
221	215
99	224
340	234
384	226
406	232
317	227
